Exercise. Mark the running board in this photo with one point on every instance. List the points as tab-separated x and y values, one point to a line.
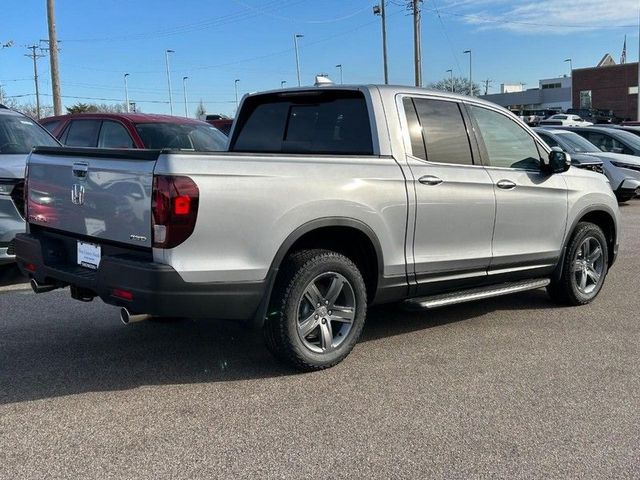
462	296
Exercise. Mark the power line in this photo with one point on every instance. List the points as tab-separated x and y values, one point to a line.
191	27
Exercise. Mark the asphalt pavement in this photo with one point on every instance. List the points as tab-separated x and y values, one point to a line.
513	387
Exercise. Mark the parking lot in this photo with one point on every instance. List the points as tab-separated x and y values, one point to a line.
510	387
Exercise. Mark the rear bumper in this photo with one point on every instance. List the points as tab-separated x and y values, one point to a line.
156	289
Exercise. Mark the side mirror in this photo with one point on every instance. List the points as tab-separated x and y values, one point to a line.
557	162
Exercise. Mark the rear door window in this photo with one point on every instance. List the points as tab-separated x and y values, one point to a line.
82	133
443	131
330	122
114	135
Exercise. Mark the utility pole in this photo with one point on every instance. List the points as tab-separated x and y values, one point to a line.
35	56
126	93
339	66
487	83
450	72
184	91
295	44
235	86
470	73
380	10
417	48
568	60
166	57
53	57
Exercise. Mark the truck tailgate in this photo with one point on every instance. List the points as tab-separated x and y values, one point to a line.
95	193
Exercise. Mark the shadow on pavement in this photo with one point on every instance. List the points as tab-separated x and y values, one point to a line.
73	348
10	275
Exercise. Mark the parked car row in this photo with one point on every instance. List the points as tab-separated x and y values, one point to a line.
135	130
623	171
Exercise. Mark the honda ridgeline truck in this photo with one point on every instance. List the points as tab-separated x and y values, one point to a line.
328	200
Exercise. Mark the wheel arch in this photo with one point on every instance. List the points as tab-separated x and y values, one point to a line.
601	217
357	241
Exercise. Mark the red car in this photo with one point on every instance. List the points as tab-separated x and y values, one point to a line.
221	123
134	130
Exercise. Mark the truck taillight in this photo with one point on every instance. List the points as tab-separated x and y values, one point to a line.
174	210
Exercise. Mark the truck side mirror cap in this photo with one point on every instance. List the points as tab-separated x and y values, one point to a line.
557	162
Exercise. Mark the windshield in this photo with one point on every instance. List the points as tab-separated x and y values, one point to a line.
629	138
559	117
576	143
190	136
20	134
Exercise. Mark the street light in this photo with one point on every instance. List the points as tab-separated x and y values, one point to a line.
126	92
282	83
470	73
295	43
571	77
380	10
450	72
235	84
184	90
166	56
339	66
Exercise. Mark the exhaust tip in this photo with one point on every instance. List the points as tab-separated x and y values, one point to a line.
38	288
127	317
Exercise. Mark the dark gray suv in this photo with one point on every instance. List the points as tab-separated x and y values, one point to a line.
18	135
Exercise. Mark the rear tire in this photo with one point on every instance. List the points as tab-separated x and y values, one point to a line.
584	268
318	310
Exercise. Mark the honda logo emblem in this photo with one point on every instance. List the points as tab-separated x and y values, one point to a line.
77	194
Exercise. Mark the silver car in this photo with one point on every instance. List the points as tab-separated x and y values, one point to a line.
623	171
18	135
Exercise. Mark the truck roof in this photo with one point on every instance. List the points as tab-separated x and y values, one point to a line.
384	89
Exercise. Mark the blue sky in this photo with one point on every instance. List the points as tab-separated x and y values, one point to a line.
218	41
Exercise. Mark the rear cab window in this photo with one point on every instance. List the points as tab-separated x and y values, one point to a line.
321	122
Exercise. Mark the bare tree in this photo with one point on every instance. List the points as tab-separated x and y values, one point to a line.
201	111
460	85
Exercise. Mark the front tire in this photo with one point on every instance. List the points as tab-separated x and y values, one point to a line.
318	310
585	267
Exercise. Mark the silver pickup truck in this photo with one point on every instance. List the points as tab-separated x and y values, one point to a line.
328	200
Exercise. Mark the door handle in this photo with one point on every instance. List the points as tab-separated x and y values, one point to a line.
506	185
430	180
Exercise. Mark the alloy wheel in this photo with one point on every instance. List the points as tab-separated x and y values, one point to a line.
326	312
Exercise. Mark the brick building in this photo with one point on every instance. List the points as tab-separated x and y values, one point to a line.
609	86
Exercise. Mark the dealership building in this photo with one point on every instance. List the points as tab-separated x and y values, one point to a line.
607	86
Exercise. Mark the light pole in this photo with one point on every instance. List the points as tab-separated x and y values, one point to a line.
235	86
470	73
184	90
295	43
380	10
339	67
450	72
166	56
126	93
568	60
282	83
